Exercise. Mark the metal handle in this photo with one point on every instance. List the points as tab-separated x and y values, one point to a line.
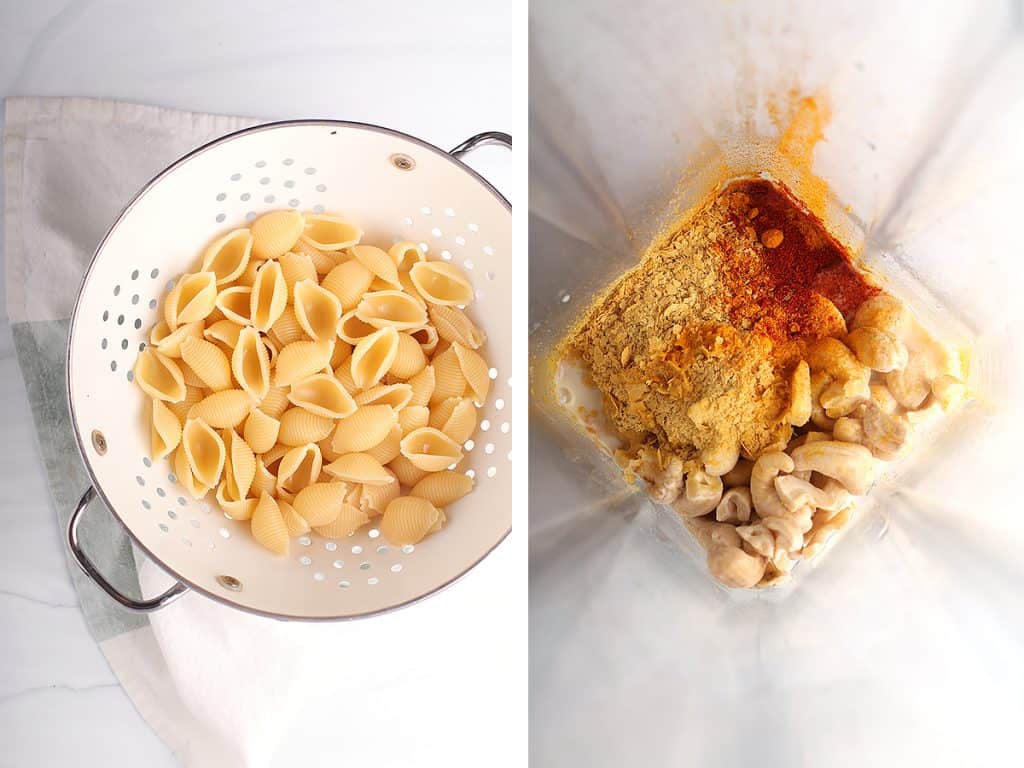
142	606
482	140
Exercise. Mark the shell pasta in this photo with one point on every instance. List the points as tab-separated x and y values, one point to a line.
313	382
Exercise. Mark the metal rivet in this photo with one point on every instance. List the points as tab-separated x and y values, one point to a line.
99	442
403	162
229	582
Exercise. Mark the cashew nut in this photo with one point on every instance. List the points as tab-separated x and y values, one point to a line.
840	397
800	402
667	482
823	530
720	458
738	475
762	483
884	312
711	534
810	437
848	430
850	464
881	395
734	567
735	506
911	385
702	494
796	494
819	381
879	350
788	536
835	358
885	434
758	538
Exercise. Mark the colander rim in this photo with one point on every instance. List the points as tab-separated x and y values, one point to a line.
224	600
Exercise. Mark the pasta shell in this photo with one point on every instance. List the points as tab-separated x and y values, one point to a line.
363	429
353	330
342	352
263	481
323	395
296	267
430	449
208	362
236	303
359	468
235	509
272	458
378	262
191	380
268	526
299	426
405	254
449	380
301	359
204	450
453	325
456	417
391	309
374	499
224	331
388	448
413	417
159	376
250	364
409	287
269	296
323	261
274	233
293	521
164	430
261	431
327	449
276	402
349	519
395	395
373	356
408	519
183	472
239	466
316	309
329	233
299	468
439	282
287	328
427	338
228	256
191	299
320	503
227	408
180	409
169	344
422	387
443	488
348	281
248	276
409	360
406	472
474	370
344	376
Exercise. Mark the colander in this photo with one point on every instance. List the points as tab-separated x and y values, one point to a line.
397	188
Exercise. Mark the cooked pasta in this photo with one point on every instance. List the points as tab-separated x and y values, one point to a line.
312	382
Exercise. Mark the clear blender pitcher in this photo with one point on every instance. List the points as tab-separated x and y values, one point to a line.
902	644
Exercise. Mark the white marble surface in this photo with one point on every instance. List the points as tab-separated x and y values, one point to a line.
393	63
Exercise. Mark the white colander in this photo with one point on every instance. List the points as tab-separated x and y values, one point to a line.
397	188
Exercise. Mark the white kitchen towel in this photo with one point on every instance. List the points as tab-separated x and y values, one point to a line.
425	685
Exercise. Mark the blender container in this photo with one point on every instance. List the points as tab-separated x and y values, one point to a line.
901	644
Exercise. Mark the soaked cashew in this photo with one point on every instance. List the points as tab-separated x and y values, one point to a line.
735	568
758	538
848	430
836	359
885	434
735	506
840	397
667	482
788	534
884	312
762	483
879	350
819	381
809	437
720	458
701	494
800	403
738	475
711	534
823	530
796	494
852	465
911	385
883	398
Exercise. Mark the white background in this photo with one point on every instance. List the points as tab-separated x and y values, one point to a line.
438	71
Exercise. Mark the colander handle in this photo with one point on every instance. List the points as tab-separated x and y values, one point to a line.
481	140
142	606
